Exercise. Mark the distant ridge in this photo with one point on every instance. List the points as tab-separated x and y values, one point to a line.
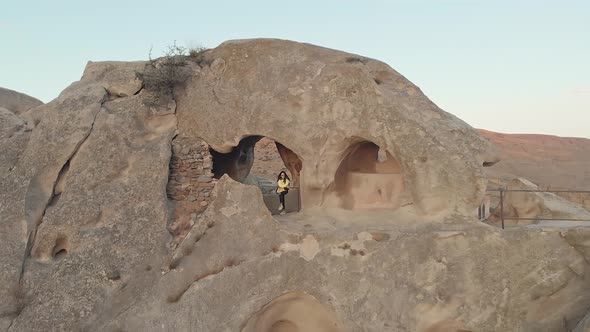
547	160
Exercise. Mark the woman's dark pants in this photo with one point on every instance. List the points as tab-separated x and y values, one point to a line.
282	198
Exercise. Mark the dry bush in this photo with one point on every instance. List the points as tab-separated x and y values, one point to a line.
161	75
197	54
356	59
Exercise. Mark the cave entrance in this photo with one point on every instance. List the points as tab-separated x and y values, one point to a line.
293	311
257	160
363	181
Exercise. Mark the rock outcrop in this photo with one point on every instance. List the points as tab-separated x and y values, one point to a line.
319	103
237	260
15	126
84	204
13	139
17	102
85	220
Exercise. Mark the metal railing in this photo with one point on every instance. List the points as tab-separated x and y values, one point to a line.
270	191
501	204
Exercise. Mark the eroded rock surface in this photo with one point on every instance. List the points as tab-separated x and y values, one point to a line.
318	103
17	102
426	277
84	209
83	206
13	139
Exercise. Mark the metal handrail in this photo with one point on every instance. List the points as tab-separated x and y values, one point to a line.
290	187
297	187
502	191
541	191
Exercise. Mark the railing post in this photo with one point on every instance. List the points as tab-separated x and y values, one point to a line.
502	206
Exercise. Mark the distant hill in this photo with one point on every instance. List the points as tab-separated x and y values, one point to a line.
17	102
558	162
548	161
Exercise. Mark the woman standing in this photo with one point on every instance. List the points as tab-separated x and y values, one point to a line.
283	182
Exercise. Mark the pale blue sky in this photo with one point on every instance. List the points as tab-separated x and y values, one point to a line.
507	66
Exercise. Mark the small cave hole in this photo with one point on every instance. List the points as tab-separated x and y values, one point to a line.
60	249
60	254
114	275
378	81
488	163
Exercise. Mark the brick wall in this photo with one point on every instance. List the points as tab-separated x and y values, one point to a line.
190	183
190	177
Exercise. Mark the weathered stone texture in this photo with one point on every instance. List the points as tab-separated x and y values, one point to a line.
190	177
91	238
17	102
318	102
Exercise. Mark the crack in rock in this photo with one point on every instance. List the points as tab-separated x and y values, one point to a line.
38	199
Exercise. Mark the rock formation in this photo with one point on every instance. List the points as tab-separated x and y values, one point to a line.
386	239
17	102
319	103
14	131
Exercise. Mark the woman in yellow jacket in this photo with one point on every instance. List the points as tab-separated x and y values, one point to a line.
283	183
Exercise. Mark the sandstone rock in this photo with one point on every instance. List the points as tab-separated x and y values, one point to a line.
293	312
292	162
118	78
318	103
236	162
476	279
13	139
90	240
27	190
112	156
205	178
17	102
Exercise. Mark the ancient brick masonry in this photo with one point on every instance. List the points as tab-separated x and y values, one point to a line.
190	178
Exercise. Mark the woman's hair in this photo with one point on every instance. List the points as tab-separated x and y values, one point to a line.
286	176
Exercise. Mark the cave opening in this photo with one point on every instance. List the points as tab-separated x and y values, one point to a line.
364	180
257	160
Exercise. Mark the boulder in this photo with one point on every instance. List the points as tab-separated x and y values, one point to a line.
13	139
17	102
117	77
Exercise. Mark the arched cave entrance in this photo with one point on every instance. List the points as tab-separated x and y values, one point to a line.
362	181
292	312
257	160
